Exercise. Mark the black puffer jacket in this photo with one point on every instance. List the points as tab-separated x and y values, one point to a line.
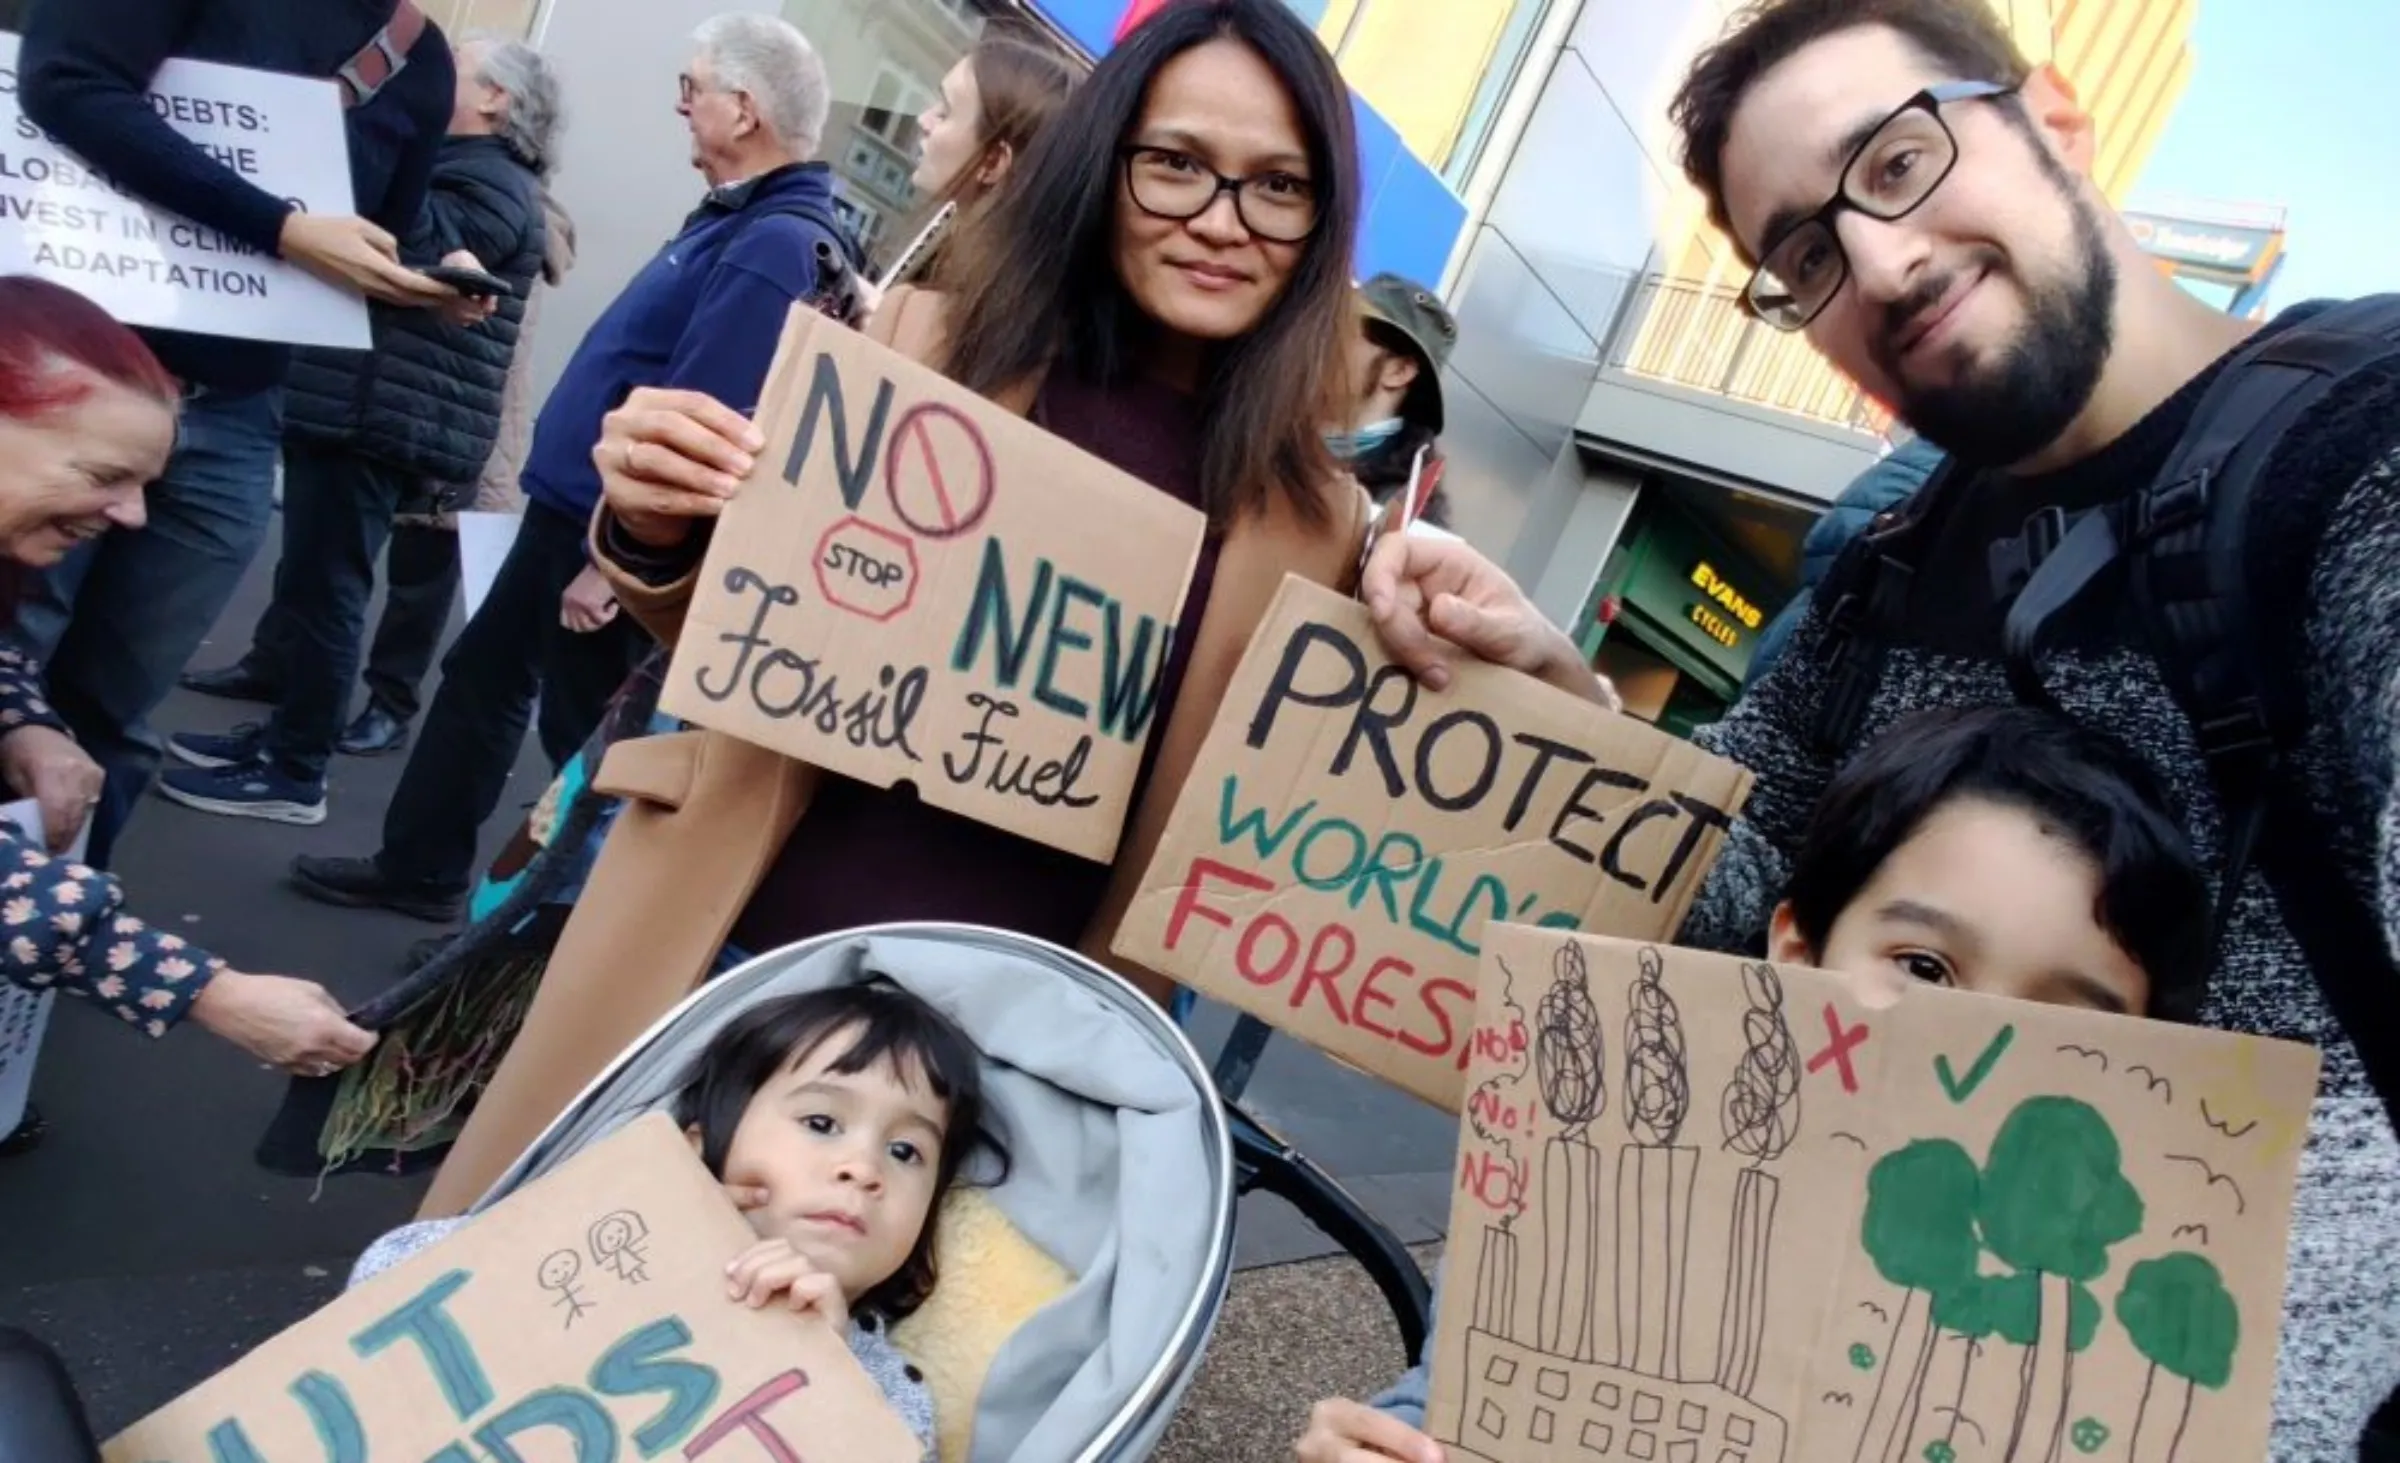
427	397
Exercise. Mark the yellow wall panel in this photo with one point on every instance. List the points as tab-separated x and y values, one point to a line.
1419	63
1337	20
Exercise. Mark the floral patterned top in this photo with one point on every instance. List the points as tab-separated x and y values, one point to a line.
61	923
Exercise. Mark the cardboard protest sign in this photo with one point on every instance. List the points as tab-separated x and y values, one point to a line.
1711	1209
583	1318
63	220
918	586
1346	834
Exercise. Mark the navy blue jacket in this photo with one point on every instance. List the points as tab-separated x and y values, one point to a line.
427	397
85	70
1885	485
705	315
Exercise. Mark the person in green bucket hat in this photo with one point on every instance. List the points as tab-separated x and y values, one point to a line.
1395	362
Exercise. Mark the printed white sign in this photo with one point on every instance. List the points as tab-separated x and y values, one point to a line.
24	1014
62	220
483	543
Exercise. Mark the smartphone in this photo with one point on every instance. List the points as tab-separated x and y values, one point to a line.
471	282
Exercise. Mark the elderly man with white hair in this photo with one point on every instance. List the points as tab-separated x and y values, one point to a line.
704	315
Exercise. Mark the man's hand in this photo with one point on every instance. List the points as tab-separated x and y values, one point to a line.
668	458
467	310
293	1024
588	603
1433	598
45	765
1342	1431
771	1268
353	254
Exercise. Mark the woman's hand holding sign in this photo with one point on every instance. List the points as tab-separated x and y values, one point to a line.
1432	597
667	458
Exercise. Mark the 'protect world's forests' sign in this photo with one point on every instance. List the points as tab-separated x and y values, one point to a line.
1346	835
919	586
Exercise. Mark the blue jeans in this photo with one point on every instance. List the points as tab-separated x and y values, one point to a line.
116	621
337	514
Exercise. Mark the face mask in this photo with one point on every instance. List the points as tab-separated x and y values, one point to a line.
1352	445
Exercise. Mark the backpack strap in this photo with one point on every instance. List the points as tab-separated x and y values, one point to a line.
824	218
1866	595
2181	543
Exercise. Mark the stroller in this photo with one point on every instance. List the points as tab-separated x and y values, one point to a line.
1124	1167
1128	1162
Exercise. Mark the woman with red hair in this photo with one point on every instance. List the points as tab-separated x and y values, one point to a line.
87	419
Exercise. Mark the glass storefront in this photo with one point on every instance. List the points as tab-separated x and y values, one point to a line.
1678	617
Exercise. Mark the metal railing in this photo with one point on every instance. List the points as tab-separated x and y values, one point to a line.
1693	333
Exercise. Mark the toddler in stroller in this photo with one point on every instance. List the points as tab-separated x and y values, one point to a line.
837	1119
1081	1273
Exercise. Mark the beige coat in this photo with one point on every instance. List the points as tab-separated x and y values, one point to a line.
706	815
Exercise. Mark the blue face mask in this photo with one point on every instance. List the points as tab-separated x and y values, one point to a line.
1352	445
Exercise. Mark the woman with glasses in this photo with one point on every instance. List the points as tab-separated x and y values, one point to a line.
1165	284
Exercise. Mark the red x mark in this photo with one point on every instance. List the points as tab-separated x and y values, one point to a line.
1845	1039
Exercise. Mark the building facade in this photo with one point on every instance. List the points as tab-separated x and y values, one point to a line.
1696	446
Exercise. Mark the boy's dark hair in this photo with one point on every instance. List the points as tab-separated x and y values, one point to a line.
2083	787
1962	37
887	1024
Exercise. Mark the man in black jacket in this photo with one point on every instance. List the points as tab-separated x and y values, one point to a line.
361	426
119	618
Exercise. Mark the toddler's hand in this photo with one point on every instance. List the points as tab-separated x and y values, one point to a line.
771	1268
1342	1431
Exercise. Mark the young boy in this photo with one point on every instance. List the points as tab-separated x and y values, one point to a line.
2001	850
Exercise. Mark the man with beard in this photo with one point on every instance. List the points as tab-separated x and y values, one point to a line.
1917	199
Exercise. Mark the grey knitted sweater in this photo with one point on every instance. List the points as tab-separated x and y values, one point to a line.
2341	1332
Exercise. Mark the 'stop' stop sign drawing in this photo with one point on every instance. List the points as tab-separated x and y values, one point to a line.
866	569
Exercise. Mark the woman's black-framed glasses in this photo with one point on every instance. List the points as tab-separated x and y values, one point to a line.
1890	174
1280	207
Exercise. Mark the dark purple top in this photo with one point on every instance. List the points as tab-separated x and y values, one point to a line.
863	855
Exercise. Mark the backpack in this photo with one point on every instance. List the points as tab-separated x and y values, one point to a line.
2176	550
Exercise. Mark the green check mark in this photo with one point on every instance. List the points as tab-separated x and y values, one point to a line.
1961	1091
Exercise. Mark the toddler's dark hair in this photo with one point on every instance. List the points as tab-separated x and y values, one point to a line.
884	1024
2083	786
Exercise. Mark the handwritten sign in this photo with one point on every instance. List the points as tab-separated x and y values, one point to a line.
67	222
1710	1208
583	1317
1346	835
918	586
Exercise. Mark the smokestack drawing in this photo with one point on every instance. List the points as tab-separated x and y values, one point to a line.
1654	1180
1761	1117
1570	1058
1496	1285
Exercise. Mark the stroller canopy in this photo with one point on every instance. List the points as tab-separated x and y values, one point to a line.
1122	1164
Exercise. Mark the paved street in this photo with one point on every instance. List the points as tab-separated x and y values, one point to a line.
141	1240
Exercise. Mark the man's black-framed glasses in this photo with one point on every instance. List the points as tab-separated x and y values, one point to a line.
1889	175
1277	206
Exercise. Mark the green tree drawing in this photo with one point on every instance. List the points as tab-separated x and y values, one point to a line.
2184	1322
2054	1199
1919	1229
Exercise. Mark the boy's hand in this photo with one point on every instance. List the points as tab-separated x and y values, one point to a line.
1342	1431
771	1268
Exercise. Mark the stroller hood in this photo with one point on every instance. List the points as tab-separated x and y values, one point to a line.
1122	1166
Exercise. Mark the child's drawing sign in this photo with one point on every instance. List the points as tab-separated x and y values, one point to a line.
1714	1211
584	1317
1345	836
919	586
